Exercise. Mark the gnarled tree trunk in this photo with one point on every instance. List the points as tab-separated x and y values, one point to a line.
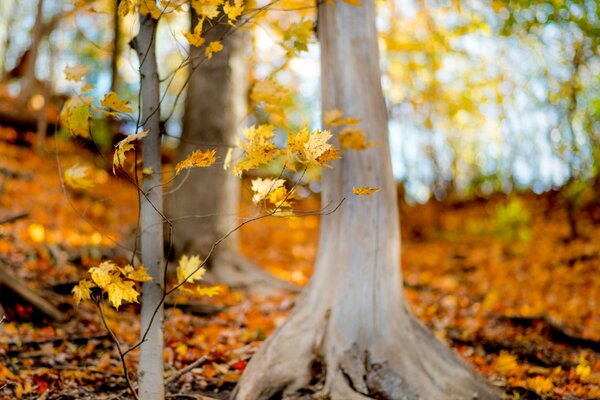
351	335
204	205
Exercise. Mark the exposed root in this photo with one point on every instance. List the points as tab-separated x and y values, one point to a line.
415	366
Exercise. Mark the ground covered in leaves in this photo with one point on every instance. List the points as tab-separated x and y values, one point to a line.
496	279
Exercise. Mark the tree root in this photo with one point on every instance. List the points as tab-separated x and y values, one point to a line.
310	358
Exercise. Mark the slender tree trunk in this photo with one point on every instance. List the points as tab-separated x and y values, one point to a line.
351	335
204	207
9	22
151	370
29	80
116	50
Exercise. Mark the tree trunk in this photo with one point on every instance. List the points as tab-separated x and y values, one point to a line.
351	335
204	206
151	370
29	80
116	50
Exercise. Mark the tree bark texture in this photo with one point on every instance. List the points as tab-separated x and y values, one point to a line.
351	335
151	370
205	207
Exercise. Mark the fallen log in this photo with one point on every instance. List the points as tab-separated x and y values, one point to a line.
11	287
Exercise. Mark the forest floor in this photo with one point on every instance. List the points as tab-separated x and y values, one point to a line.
497	279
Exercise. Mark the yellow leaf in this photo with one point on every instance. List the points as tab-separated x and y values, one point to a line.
354	139
271	95
506	363
78	177
299	34
233	11
280	197
331	116
195	39
139	274
147	171
334	118
112	101
316	146
123	147
540	385
82	291
583	369
209	291
119	291
181	349
103	274
365	191
198	158
189	267
150	7
37	232
258	149
75	73
77	119
213	47
355	3
207	8
262	187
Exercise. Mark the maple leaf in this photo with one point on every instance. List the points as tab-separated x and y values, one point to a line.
233	11
213	47
365	191
198	158
119	290
263	187
195	39
280	197
189	267
139	274
76	117
103	274
112	101
207	8
150	7
334	118
331	116
77	177
210	291
299	34
75	73
258	149
271	95
354	139
82	291
316	146
123	147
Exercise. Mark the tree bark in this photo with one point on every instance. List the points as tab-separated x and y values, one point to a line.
151	370
351	335
204	207
29	81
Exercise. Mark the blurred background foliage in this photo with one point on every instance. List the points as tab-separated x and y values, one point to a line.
483	97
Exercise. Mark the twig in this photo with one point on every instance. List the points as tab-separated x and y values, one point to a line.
176	375
14	218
